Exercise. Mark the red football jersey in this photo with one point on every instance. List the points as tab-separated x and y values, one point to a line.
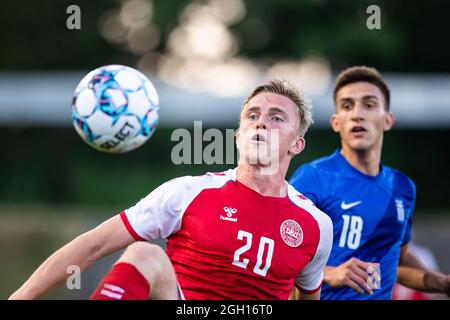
227	241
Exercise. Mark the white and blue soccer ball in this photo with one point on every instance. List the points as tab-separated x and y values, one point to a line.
115	109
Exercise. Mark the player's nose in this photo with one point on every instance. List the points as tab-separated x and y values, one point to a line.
261	123
358	112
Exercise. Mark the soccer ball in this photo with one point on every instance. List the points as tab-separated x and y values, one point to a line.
115	109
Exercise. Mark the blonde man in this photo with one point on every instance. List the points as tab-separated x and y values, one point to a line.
240	234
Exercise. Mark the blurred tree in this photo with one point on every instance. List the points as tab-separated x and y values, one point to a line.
412	37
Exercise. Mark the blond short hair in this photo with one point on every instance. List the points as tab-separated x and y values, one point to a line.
287	89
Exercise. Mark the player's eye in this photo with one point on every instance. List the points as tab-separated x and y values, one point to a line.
252	116
277	119
369	105
346	106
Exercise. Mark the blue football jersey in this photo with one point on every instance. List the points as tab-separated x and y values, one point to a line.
371	216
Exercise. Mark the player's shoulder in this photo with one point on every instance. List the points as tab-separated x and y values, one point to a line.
301	201
322	169
321	165
401	180
205	181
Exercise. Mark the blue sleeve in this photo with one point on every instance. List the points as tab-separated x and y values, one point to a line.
407	233
306	180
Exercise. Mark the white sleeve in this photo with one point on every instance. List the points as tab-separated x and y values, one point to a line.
309	280
159	214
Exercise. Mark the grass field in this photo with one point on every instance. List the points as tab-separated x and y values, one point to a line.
28	235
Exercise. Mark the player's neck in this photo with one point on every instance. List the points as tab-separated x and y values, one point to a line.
273	185
366	161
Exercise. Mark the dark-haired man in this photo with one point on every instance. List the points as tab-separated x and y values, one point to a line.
371	205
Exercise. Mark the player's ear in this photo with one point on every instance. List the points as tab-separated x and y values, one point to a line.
297	146
236	137
334	121
389	121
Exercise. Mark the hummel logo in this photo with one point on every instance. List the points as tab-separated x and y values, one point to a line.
230	212
346	206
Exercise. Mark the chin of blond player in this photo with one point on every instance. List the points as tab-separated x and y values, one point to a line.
361	119
262	167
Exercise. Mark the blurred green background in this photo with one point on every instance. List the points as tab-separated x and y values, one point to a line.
54	186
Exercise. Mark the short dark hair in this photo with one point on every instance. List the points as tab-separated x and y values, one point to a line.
362	74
